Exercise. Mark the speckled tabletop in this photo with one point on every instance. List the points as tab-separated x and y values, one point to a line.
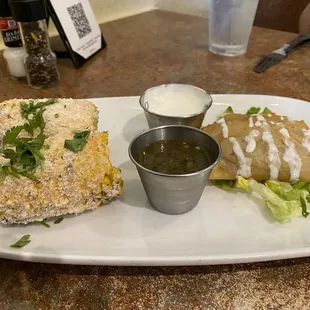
145	50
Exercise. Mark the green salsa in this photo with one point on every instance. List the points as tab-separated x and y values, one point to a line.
173	157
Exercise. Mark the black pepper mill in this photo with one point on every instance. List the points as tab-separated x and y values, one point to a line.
40	61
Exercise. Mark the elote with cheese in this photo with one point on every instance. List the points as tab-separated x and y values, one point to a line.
53	160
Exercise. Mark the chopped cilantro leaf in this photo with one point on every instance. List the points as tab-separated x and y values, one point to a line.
28	175
24	153
31	107
305	212
78	142
43	223
36	122
21	242
11	135
59	220
10	154
38	142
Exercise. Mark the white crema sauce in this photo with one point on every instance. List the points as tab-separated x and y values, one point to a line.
291	156
244	162
251	123
250	139
176	100
306	139
273	152
222	122
262	119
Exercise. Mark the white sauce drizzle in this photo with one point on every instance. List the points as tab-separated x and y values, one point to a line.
250	139
273	152
262	119
273	155
282	118
306	139
244	162
269	115
222	122
291	156
280	124
251	122
272	122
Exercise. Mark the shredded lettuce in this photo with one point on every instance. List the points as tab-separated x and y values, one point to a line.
242	183
253	110
229	110
274	186
281	208
285	210
301	185
278	187
266	110
293	194
224	184
285	201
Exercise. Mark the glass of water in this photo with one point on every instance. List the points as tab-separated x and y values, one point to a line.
230	25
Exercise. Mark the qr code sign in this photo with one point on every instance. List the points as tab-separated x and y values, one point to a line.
80	20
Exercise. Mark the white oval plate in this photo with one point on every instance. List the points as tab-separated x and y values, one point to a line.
224	228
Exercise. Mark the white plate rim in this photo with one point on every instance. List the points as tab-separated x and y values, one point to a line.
25	255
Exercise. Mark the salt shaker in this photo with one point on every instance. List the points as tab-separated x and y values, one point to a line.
13	53
40	61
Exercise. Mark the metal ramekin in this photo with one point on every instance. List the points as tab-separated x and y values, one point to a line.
169	193
194	120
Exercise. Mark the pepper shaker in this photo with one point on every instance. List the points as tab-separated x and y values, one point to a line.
14	52
40	61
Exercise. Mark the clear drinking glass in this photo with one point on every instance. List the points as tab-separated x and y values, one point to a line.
230	25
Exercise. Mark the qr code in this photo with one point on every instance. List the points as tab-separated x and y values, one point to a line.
80	20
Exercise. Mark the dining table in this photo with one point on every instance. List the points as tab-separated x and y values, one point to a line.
152	48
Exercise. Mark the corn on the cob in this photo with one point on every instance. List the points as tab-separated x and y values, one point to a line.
68	182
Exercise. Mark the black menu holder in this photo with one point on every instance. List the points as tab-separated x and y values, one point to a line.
68	51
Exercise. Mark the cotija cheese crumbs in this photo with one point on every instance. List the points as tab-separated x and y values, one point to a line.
53	160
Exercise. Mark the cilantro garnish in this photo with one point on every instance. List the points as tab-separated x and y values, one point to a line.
6	171
43	223
24	153
78	142
11	134
21	242
304	211
59	220
31	108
